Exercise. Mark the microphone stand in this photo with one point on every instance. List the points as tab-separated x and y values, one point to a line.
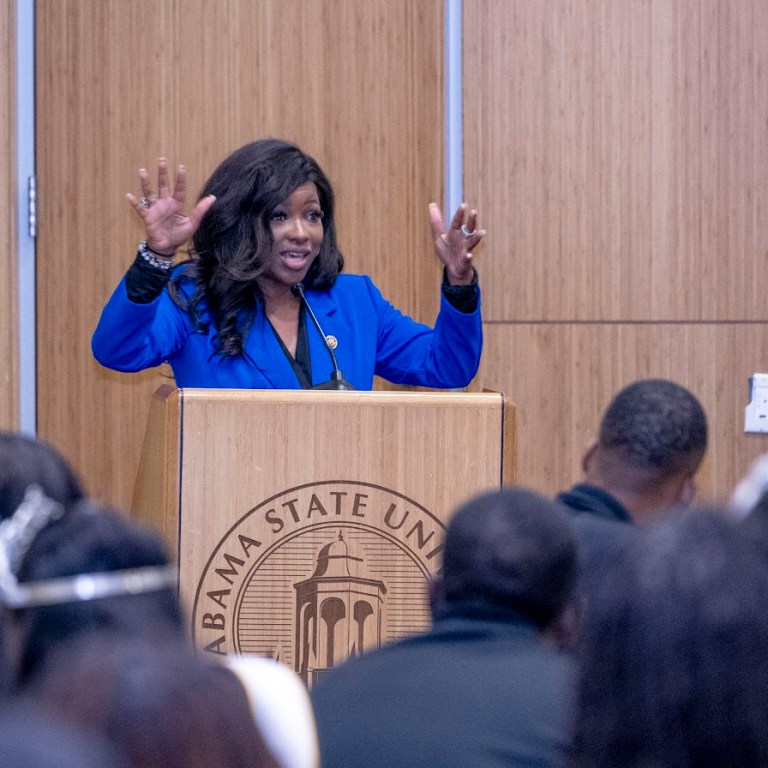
337	380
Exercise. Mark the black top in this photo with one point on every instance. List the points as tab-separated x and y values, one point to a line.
301	364
602	525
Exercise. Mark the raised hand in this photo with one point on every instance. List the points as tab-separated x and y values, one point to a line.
167	225
454	245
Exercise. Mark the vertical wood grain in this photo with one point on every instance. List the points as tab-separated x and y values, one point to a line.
9	352
561	377
122	82
617	153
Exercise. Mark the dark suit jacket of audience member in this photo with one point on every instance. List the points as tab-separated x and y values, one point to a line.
474	691
602	526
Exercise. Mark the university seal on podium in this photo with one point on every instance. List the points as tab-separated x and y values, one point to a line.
318	573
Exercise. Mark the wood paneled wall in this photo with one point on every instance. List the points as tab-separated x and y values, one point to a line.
121	82
614	149
617	153
9	352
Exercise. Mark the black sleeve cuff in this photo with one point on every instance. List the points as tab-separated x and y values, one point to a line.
143	282
463	298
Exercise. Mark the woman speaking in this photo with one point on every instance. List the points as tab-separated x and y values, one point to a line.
264	275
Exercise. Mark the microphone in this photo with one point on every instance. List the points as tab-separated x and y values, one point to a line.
337	380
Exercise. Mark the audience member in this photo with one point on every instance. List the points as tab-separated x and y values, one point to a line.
159	703
482	687
234	314
652	439
66	575
87	577
673	670
25	461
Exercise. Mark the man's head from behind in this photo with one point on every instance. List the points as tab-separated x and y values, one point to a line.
508	551
652	439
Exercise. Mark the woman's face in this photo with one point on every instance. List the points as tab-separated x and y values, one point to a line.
297	234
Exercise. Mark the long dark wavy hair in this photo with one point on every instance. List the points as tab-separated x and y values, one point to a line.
234	241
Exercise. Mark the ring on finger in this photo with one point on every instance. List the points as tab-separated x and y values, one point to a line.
466	232
144	202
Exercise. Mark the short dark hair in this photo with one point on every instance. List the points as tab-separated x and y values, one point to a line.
90	538
510	549
673	651
233	242
25	461
657	426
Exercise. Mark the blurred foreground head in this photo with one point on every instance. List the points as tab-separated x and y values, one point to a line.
157	702
508	551
673	652
67	572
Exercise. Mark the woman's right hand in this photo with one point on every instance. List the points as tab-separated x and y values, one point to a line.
168	227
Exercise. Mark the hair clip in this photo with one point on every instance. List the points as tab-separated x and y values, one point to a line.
16	536
19	530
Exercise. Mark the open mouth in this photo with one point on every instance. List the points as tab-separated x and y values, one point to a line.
295	259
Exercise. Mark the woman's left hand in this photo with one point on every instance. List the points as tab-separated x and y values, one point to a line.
454	246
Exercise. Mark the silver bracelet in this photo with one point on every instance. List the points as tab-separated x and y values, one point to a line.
155	259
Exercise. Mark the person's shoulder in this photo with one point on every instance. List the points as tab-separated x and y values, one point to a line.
601	543
372	663
356	290
591	528
352	282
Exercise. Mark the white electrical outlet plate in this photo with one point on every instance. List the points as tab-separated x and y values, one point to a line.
756	413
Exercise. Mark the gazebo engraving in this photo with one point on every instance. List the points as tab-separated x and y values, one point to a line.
339	613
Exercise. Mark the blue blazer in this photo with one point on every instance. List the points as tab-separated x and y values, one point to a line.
374	338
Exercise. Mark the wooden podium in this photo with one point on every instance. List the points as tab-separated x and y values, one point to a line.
305	523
